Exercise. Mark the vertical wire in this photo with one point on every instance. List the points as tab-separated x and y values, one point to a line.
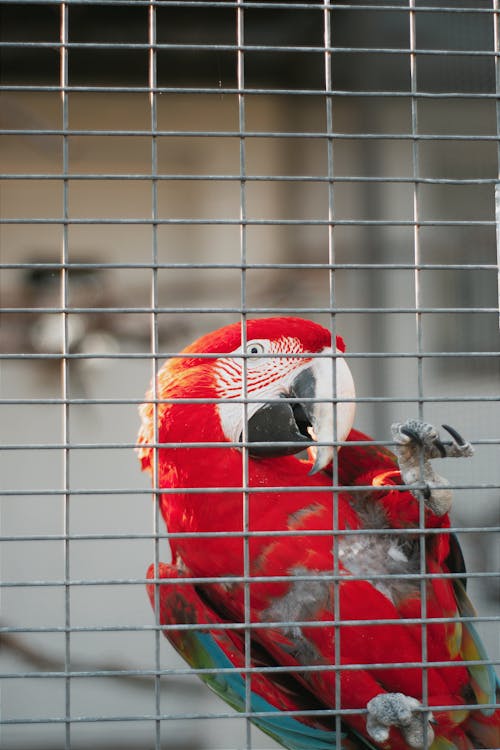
152	80
419	348
333	329
496	51
240	40
416	211
65	374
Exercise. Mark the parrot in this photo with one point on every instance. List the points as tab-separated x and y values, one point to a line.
314	582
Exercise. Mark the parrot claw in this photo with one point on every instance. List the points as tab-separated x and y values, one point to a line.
403	712
416	444
459	447
415	436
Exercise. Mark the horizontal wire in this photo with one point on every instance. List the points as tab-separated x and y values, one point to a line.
213	444
137	221
250	5
250	310
255	490
222	446
24	492
117	536
248	626
327	712
177	672
237	579
251	178
95	265
125	491
246	48
201	355
234	626
233	90
239	355
309	135
139	401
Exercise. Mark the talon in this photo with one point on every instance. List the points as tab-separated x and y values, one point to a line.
455	435
416	444
412	434
459	448
439	445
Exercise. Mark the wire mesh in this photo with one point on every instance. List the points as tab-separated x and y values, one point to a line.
168	168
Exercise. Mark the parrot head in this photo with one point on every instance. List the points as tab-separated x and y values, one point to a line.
276	383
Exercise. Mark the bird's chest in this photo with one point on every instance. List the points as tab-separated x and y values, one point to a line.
385	560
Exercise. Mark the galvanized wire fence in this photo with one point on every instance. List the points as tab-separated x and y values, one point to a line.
171	167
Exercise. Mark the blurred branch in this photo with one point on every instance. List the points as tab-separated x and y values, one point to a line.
41	662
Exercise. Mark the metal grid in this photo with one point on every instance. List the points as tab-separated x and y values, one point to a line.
85	662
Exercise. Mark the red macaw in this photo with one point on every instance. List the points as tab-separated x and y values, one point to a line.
328	581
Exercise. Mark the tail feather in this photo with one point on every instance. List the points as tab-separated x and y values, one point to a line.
483	678
224	652
273	696
484	731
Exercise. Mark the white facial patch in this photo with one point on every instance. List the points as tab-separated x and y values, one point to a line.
267	378
271	377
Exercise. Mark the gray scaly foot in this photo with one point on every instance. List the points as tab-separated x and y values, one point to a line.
398	710
416	444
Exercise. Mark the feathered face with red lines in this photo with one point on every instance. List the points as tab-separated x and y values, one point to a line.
281	385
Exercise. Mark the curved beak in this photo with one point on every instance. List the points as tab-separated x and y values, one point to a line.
314	408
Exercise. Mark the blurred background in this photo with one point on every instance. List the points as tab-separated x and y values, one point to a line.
394	159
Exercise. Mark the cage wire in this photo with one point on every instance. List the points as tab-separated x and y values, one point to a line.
171	167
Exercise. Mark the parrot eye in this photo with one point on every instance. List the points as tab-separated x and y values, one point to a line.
255	348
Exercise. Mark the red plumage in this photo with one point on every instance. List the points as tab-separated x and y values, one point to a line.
283	496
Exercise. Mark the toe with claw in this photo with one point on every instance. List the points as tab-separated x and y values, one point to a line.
403	712
416	444
458	447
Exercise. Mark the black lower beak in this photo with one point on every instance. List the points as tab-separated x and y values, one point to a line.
315	410
281	428
277	429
